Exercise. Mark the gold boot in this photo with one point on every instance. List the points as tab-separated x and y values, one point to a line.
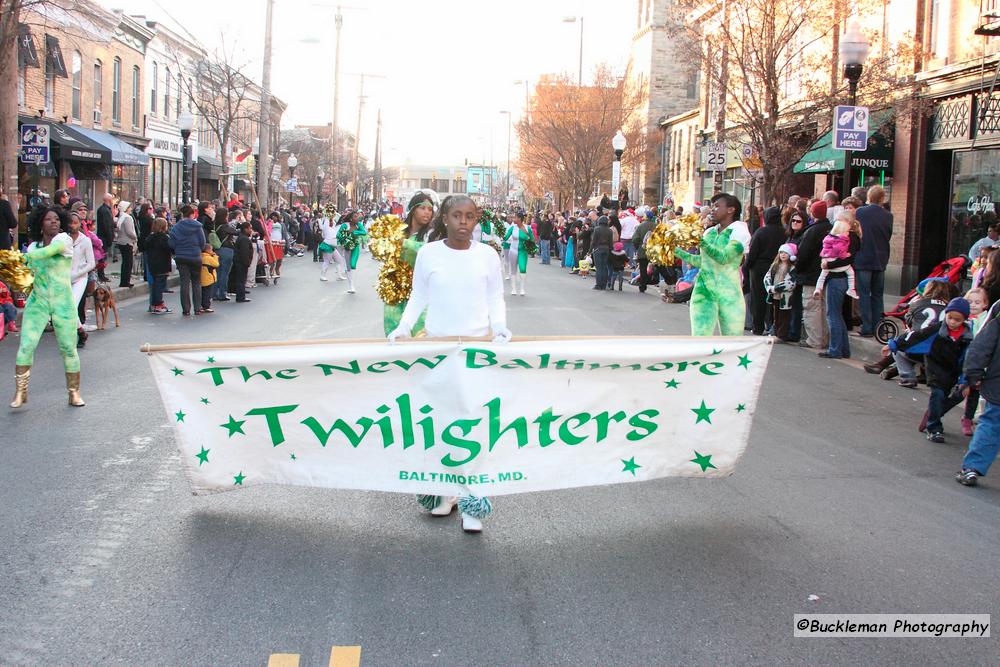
73	387
21	375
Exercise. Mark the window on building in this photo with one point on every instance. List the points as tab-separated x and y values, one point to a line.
180	94
154	87
440	185
135	96
116	91
166	93
77	73
425	182
50	88
98	91
22	86
940	9
459	185
190	95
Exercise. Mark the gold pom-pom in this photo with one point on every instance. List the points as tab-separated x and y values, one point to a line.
395	281
15	272
685	233
386	236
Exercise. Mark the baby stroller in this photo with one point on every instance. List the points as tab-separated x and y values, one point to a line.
891	324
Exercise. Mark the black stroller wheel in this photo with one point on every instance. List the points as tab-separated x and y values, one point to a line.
888	328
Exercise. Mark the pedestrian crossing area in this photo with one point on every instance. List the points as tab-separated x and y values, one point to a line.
340	656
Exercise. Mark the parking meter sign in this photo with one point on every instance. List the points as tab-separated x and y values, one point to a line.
34	144
850	128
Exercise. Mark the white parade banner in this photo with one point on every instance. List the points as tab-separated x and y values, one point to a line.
460	417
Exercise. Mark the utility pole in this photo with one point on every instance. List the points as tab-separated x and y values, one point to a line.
356	166
264	130
377	184
334	139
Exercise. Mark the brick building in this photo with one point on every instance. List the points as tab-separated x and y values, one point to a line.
81	73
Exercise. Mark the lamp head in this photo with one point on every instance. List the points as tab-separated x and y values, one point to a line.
854	45
185	121
293	161
618	143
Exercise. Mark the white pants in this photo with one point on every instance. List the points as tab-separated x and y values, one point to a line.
505	263
252	271
336	258
79	287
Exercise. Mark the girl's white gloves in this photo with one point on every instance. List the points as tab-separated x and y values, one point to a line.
501	334
398	332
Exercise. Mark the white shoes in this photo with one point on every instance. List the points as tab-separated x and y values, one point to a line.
471	524
324	278
513	291
341	277
446	507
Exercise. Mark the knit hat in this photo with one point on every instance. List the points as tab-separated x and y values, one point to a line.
958	305
790	248
818	210
922	285
619	246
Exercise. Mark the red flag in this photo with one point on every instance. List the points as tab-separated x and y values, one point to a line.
242	156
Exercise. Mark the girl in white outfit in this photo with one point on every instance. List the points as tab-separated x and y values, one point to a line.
328	225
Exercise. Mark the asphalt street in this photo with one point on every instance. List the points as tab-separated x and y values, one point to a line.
839	506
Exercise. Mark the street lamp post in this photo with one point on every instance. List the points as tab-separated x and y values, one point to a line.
507	193
186	123
854	48
293	162
618	143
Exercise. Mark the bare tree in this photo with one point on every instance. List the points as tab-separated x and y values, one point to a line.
773	77
566	144
222	95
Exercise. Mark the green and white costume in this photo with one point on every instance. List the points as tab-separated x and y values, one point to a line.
717	298
51	299
517	256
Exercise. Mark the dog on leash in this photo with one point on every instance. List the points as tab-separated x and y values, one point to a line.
104	300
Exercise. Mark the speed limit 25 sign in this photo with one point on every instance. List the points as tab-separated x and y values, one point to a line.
714	157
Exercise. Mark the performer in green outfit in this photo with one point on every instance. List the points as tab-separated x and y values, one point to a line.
50	258
516	243
419	213
350	235
717	298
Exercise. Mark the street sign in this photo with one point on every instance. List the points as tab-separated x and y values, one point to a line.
714	157
35	144
292	184
751	161
850	128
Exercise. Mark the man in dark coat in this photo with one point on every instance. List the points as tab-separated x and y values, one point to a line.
106	229
8	224
869	265
807	266
764	246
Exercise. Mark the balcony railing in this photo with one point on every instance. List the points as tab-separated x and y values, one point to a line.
989	18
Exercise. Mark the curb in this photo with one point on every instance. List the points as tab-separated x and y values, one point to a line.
140	289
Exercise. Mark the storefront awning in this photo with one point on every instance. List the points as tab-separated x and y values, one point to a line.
209	168
69	143
121	153
822	157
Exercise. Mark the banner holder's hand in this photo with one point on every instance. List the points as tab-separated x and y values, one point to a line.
502	335
398	332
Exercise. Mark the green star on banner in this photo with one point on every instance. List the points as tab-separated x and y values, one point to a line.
177	371
205	401
234	426
294	458
745	361
180	415
741	407
210	360
238	479
704	413
202	456
630	466
705	461
672	384
714	351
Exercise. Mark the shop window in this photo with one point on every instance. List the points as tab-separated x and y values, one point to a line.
98	91
135	97
116	92
77	71
154	87
975	193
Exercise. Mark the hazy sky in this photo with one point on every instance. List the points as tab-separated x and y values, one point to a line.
449	65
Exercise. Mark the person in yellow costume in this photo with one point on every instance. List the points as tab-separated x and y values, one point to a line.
419	214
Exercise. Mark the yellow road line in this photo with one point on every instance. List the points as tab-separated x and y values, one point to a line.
283	660
345	656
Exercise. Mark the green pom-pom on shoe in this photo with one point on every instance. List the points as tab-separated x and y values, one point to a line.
429	502
475	506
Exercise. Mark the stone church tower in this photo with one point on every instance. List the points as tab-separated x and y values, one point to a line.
671	74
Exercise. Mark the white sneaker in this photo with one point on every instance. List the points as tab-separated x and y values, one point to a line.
90	327
513	292
341	277
522	292
324	278
350	290
445	508
471	524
